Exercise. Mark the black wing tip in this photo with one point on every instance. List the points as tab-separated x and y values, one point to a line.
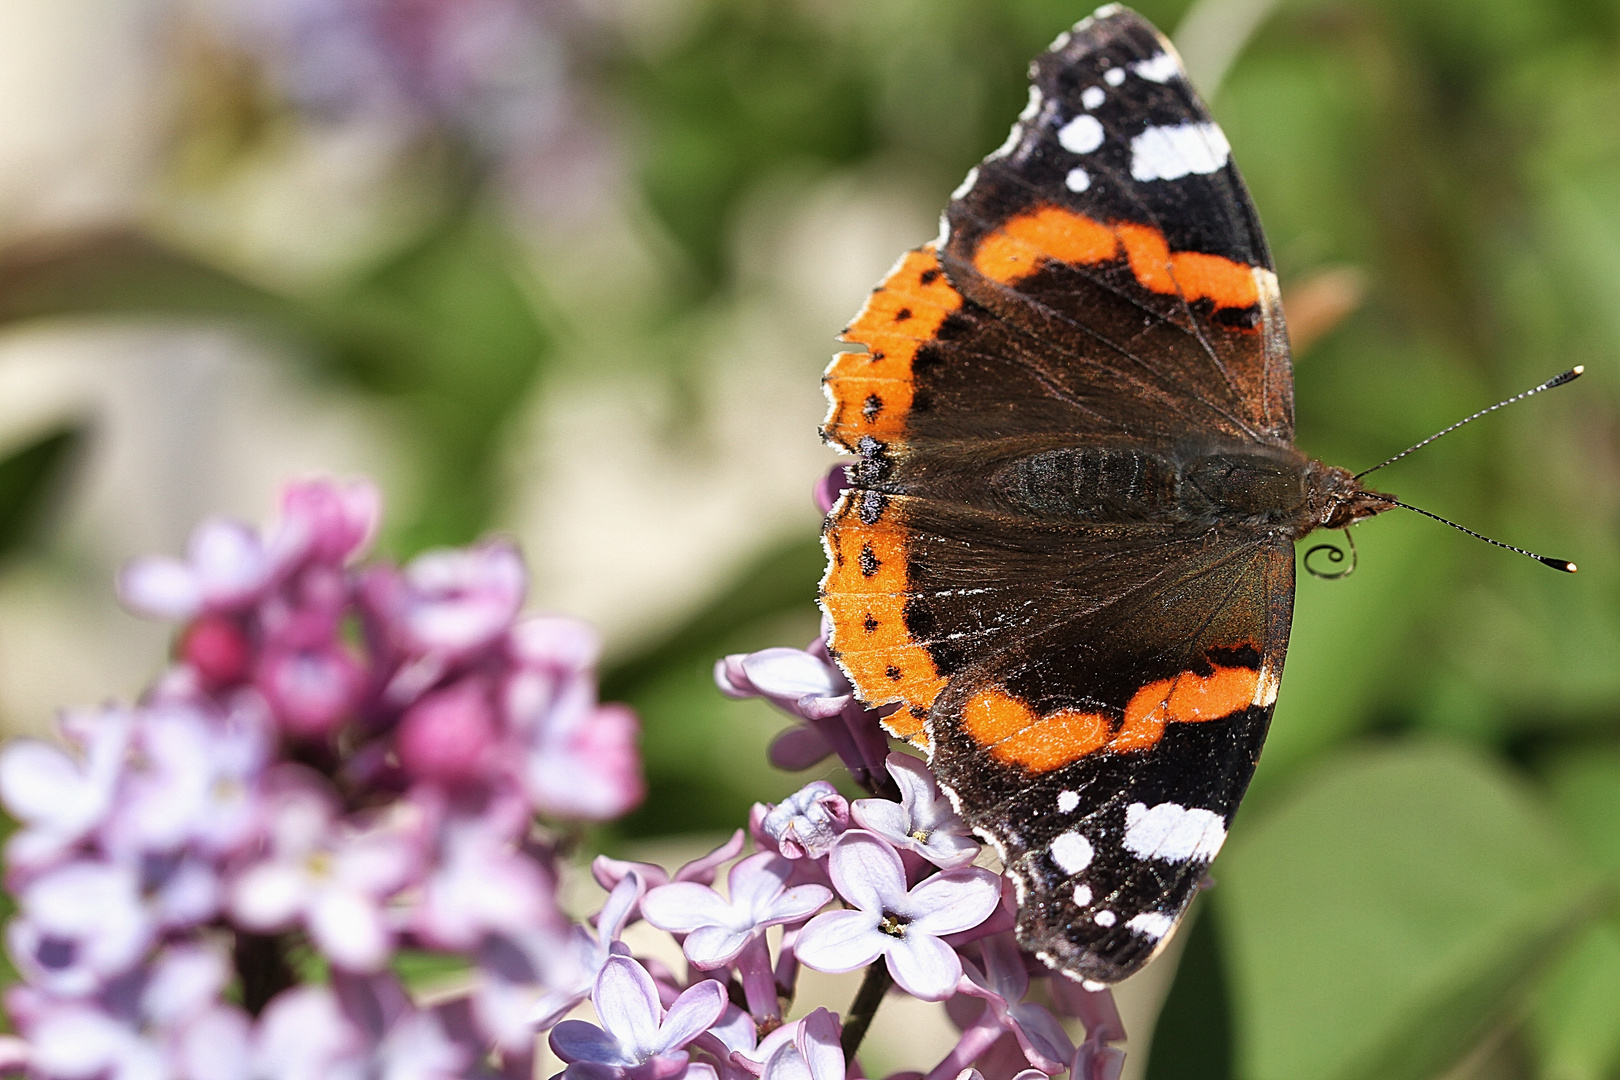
1117	15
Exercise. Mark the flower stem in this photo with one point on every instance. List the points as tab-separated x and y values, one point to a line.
759	981
874	985
261	963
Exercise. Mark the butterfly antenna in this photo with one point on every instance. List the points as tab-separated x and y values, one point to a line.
1557	564
1569	376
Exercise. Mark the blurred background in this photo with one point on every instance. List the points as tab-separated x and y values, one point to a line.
571	271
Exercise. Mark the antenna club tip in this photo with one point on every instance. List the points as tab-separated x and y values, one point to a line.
1578	369
1559	564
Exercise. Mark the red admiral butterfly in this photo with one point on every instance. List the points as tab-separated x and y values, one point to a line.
1068	549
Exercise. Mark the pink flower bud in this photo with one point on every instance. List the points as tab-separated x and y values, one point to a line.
447	734
216	649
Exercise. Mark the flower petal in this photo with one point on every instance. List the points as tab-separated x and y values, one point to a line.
349	929
616	909
683	906
756	881
798	748
818	1045
1041	1036
627	1004
577	1040
786	1064
839	941
866	871
799	902
711	946
699	1006
953	901
924	966
790	674
161	587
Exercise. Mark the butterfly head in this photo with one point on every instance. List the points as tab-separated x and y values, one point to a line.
1336	499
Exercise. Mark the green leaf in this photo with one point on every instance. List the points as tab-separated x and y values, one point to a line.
1389	912
1574	1030
1585	786
1192	1039
31	481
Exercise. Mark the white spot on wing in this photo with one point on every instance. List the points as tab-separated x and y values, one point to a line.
1092	96
1093	985
1082	894
1159	68
1081	135
1172	832
967	183
1169	153
1060	42
1078	180
1105	918
1072	852
944	236
1067	801
1114	76
1151	924
1107	11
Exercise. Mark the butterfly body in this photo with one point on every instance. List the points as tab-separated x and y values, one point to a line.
1067	553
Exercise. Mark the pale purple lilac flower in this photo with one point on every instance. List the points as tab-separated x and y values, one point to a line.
194	779
79	925
227	567
638	1039
731	930
923	822
887	920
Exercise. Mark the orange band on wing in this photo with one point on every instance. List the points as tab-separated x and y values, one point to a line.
1193	274
864	594
1014	733
870	392
1050	233
1017	248
1186	699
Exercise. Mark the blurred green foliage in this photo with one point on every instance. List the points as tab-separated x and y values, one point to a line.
1427	860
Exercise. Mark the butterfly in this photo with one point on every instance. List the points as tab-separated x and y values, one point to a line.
1067	550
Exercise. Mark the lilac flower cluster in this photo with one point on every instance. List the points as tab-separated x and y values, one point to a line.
347	765
344	763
